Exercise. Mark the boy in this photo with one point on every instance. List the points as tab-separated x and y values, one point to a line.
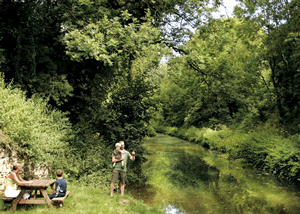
118	155
60	186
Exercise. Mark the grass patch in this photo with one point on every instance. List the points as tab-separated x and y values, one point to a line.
93	200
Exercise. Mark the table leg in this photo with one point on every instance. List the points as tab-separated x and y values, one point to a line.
52	187
47	199
17	200
35	193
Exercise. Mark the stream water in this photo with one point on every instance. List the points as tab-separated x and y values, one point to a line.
187	178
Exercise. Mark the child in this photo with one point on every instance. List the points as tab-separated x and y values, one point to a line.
60	186
118	155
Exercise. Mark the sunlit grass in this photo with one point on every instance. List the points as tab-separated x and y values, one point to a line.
94	200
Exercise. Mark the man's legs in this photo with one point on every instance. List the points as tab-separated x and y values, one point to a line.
122	183
112	187
122	188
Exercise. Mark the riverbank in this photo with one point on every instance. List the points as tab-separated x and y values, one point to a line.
93	200
263	147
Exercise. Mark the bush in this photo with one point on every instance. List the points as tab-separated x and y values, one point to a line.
37	133
283	159
190	134
171	131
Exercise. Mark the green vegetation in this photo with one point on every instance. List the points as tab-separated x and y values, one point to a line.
93	200
29	128
78	76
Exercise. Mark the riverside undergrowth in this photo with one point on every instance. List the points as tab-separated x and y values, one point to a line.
84	199
264	147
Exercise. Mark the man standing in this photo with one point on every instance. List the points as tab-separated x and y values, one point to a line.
118	168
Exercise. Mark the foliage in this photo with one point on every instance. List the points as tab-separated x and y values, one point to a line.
33	57
37	133
166	14
91	59
280	20
240	73
108	41
218	76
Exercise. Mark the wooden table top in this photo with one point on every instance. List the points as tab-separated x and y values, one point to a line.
39	183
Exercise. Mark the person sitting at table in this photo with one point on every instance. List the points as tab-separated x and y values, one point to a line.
60	186
12	189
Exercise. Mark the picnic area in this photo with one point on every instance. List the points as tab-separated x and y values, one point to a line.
90	200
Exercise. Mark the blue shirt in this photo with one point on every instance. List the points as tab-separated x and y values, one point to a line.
61	185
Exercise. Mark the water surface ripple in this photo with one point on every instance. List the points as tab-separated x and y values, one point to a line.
187	178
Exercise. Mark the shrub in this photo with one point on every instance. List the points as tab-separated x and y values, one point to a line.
190	134
171	131
283	159
37	133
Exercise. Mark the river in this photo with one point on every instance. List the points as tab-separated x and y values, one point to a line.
187	178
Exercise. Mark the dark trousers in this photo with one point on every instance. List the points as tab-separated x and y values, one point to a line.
54	195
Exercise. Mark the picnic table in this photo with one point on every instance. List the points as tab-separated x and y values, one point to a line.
36	185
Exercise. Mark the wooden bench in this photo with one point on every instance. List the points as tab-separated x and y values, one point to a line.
35	185
6	199
9	200
60	200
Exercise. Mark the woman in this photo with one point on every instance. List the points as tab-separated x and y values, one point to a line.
12	189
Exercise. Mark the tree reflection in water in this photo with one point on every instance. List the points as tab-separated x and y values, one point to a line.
188	170
186	178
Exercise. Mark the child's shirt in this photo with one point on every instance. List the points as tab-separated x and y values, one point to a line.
117	153
61	185
126	155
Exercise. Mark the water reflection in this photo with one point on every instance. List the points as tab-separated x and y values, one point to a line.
187	170
173	210
186	178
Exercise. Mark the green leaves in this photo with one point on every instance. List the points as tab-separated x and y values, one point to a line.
218	77
36	133
108	40
280	20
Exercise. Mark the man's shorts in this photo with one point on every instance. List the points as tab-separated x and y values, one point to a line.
115	176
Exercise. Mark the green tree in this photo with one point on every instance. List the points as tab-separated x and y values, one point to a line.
220	77
280	19
34	57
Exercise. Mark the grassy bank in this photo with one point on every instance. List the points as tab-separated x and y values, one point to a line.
93	200
263	147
